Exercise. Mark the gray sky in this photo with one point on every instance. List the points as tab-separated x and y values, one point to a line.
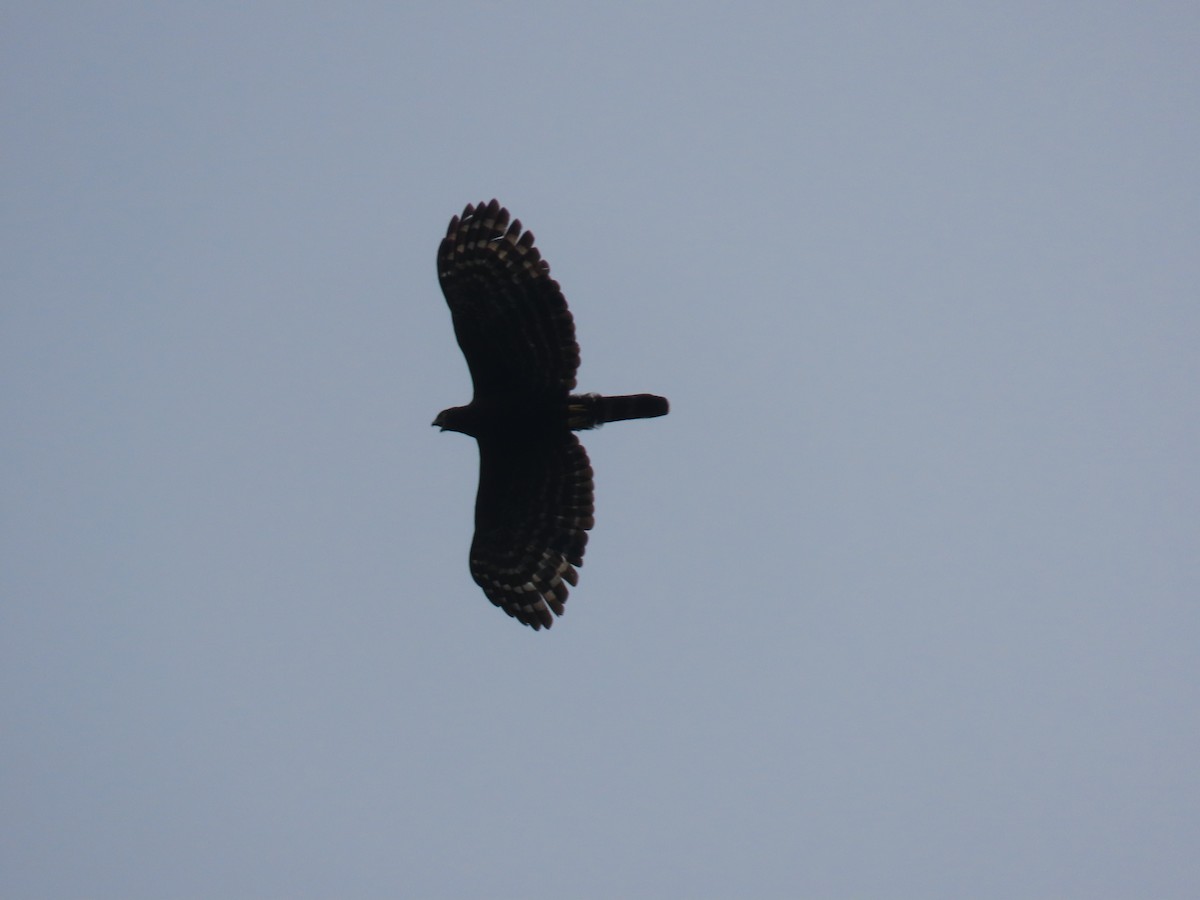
900	600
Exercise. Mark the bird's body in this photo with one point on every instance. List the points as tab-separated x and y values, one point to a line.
535	501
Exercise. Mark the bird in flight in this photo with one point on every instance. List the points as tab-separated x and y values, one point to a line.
535	501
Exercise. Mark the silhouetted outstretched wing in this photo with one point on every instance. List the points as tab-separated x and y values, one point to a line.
510	317
532	515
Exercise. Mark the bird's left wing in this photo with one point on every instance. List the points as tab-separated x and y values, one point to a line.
510	316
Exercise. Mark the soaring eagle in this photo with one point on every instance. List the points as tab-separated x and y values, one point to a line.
534	507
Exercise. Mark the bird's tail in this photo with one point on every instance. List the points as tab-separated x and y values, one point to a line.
590	410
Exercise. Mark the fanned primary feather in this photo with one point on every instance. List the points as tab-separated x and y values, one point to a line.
535	501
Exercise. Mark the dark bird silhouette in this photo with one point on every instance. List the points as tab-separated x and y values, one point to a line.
535	502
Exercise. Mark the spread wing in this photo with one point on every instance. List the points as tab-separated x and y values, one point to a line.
532	515
510	316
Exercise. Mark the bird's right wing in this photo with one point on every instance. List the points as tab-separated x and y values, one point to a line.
532	514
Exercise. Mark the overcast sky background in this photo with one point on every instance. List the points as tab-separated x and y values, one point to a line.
900	600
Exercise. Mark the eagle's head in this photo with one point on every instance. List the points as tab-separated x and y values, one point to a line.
456	418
